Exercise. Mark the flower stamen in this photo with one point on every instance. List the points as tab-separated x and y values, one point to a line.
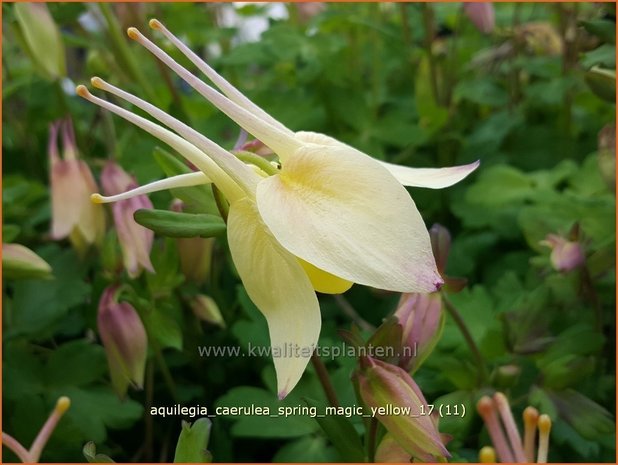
182	180
544	425
228	89
502	404
225	160
275	138
531	416
230	189
487	410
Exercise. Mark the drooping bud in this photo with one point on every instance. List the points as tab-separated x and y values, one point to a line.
124	339
566	255
72	183
206	309
390	451
19	262
135	240
42	38
422	320
481	15
384	386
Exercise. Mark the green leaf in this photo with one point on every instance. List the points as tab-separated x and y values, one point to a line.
75	363
163	327
587	417
604	56
341	434
177	224
94	410
602	28
311	449
483	91
265	426
10	232
90	452
38	305
193	442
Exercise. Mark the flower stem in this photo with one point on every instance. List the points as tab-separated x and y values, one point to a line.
428	24
167	376
350	311
371	439
252	158
327	386
14	445
461	324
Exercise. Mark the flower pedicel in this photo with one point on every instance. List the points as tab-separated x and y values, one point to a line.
329	217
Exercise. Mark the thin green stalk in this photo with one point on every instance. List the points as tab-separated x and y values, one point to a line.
428	25
252	158
370	441
125	55
167	376
461	324
327	386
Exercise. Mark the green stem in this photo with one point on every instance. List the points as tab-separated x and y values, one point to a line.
461	324
327	386
222	205
167	376
124	53
370	442
589	290
427	42
252	158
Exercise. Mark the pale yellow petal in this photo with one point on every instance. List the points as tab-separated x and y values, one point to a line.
343	212
279	287
432	178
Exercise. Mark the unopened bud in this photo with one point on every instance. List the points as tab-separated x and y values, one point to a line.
19	262
206	309
565	255
124	339
481	15
387	386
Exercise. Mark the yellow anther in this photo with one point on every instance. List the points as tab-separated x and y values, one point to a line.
155	24
82	91
544	426
96	198
62	405
97	82
133	33
487	455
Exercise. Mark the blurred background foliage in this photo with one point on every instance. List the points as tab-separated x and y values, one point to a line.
417	84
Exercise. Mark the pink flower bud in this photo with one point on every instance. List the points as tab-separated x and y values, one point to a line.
73	215
421	318
124	339
135	240
565	255
384	386
482	15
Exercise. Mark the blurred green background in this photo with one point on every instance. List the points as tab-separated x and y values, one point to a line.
416	84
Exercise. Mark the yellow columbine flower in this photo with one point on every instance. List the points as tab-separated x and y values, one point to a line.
331	216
